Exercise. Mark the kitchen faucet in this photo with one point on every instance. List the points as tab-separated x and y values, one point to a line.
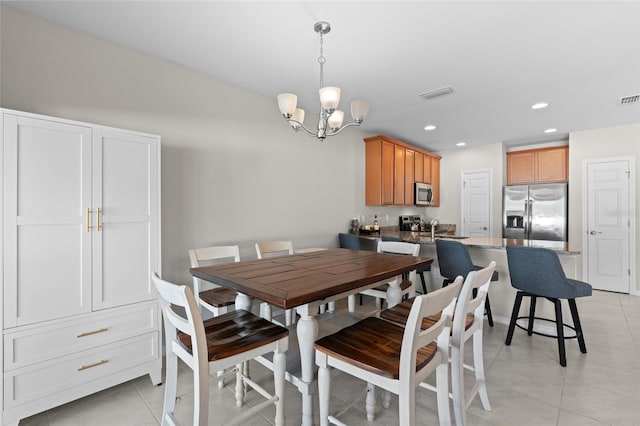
433	223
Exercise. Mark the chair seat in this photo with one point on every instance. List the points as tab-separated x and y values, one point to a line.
218	297
400	313
236	332
582	289
404	285
373	345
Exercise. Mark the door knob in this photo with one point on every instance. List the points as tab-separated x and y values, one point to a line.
594	232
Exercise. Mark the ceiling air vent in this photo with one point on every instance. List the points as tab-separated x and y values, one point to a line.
436	92
626	100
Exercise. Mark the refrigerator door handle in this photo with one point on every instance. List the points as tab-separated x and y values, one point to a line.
525	220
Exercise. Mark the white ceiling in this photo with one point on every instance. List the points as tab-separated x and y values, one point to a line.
499	58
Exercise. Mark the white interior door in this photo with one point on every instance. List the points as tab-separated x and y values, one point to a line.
608	223
476	203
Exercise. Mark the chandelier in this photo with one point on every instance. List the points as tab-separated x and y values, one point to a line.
330	121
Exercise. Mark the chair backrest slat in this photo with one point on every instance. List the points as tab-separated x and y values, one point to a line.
468	303
274	247
171	295
442	300
207	255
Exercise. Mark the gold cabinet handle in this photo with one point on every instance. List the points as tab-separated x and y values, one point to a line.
86	367
102	330
88	219
98	220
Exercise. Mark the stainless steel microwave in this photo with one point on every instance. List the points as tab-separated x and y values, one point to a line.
423	194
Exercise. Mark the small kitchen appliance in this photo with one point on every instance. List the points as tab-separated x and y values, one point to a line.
409	223
423	194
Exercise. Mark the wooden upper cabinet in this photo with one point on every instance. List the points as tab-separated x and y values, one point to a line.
409	176
379	165
520	167
435	182
553	164
538	165
399	176
392	167
427	169
418	167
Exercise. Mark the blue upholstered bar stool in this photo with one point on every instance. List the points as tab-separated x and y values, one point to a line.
537	272
454	260
349	241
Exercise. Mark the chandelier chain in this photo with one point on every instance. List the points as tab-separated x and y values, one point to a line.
321	61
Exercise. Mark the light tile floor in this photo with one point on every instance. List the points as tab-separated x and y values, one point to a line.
527	386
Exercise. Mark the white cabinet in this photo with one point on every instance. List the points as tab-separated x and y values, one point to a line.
81	228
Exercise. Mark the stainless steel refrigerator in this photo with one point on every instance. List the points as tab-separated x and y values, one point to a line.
535	212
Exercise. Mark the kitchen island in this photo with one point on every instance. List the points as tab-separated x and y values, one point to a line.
483	250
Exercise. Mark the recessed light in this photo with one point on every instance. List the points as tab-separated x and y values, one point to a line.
552	130
429	127
461	144
539	105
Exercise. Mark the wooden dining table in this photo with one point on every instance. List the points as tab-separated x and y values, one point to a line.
305	282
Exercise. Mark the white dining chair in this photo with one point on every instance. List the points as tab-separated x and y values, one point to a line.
392	357
467	323
269	249
217	300
407	286
221	343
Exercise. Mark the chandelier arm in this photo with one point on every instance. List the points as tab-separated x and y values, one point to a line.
307	131
343	127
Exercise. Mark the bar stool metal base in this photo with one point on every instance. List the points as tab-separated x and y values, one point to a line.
577	328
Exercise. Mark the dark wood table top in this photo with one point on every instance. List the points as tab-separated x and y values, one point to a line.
290	281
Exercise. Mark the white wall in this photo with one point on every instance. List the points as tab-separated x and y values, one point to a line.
233	172
453	163
609	142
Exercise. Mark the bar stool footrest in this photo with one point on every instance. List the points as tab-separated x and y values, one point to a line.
574	336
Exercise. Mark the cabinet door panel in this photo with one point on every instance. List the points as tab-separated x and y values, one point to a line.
409	176
426	167
47	271
124	252
521	167
419	167
387	173
398	187
552	165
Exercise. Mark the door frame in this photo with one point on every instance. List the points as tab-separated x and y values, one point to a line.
462	176
632	218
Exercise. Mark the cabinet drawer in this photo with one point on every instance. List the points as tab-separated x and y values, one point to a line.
23	347
50	377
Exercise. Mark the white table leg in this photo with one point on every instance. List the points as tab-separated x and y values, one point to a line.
307	330
243	302
394	293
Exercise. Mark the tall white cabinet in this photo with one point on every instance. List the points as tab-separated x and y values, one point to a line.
81	235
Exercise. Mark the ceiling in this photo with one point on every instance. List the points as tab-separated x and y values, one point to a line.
498	57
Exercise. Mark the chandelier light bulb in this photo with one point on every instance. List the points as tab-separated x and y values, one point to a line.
287	103
329	98
335	120
359	110
297	119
